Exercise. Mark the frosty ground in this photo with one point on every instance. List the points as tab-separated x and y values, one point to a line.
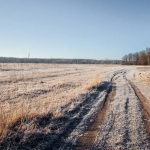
53	106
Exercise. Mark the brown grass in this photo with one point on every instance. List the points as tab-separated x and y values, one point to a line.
94	82
10	119
53	87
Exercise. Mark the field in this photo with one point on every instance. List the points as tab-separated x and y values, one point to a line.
68	106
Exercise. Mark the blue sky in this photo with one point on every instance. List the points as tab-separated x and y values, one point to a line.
92	29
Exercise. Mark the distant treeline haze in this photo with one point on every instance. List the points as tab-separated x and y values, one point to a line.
57	61
138	58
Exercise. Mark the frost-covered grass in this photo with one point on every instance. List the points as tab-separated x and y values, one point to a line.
29	91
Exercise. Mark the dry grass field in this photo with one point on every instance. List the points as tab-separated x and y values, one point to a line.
32	90
57	106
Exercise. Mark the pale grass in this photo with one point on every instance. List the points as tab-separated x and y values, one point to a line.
15	78
10	119
143	78
94	82
27	99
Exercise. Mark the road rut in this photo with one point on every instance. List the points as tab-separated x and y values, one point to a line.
123	127
111	116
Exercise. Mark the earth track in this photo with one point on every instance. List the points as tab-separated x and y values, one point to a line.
87	140
122	122
123	128
83	114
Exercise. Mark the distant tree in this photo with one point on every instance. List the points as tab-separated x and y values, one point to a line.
148	55
54	60
142	58
126	59
129	58
123	60
135	58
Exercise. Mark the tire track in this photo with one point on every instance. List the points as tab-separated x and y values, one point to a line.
88	139
116	113
81	116
144	106
123	128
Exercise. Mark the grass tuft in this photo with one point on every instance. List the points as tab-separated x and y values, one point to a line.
94	82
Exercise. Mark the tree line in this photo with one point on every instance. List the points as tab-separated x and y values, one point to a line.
138	58
57	61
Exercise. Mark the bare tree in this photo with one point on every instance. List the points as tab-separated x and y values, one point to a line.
142	58
148	55
129	59
135	58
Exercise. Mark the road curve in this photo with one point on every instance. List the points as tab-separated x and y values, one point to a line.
123	127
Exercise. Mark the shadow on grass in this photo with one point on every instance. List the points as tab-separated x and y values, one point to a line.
46	132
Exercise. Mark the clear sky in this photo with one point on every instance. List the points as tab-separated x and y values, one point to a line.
92	29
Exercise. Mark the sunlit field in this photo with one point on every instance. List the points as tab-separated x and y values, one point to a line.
31	90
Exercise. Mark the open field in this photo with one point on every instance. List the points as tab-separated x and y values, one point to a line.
58	106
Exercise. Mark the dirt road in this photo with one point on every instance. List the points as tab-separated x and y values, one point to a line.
117	123
124	126
123	122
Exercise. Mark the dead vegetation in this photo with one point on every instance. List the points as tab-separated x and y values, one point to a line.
32	91
93	82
